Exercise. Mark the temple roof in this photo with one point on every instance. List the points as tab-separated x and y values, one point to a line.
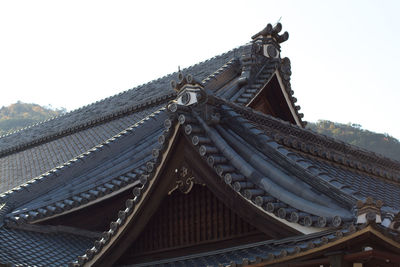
48	248
37	149
280	180
236	115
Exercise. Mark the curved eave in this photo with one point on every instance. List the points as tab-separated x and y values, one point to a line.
316	144
32	207
235	164
139	209
134	207
69	210
338	170
280	69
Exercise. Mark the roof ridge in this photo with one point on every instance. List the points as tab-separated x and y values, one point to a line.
361	154
32	125
5	197
88	124
277	151
118	94
97	119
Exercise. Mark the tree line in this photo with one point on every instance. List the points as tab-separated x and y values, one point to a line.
20	115
353	134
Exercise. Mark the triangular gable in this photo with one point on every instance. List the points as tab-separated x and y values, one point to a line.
265	77
155	194
274	100
191	221
195	139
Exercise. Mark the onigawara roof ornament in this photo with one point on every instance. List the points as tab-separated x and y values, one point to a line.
265	47
188	88
369	211
269	40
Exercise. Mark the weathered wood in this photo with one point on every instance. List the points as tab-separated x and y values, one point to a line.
181	225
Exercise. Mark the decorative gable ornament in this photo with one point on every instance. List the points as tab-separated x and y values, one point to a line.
188	88
190	95
369	211
270	39
270	51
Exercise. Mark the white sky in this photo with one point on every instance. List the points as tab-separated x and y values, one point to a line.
344	54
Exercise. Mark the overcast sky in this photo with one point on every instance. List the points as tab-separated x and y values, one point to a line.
344	54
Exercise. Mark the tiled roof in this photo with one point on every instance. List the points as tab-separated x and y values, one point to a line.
251	163
145	181
22	166
379	179
303	179
39	148
26	248
325	147
250	156
353	170
364	184
239	144
121	103
113	165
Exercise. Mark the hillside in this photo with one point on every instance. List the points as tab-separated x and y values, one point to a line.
20	115
353	134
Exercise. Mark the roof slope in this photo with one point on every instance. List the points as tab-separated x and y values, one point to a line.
142	95
354	171
37	149
303	180
27	248
277	179
22	166
111	166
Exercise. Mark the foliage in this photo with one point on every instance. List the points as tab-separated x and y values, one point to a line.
20	115
353	134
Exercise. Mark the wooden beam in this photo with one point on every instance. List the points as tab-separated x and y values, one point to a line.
375	254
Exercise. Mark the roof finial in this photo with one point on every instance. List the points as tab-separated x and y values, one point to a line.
369	211
272	32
